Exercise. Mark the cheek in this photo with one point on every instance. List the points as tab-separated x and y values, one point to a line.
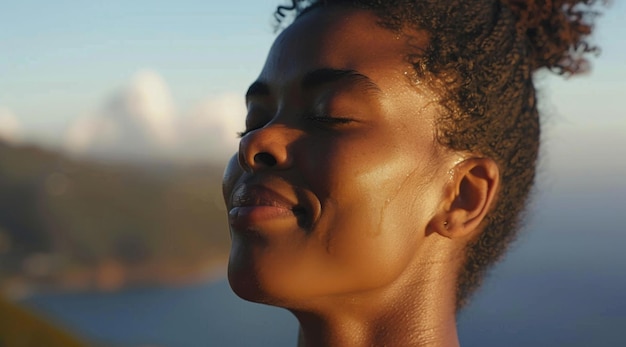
385	226
375	210
370	182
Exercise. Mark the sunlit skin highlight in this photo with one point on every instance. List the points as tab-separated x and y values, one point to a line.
344	208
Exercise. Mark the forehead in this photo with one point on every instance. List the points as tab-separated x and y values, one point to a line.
341	38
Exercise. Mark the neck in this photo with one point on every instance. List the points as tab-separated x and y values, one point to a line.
408	313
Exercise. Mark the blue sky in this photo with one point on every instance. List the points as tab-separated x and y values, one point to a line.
60	60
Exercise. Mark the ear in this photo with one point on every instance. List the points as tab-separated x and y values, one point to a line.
468	198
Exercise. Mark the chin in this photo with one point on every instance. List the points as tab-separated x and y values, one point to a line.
247	288
251	287
262	280
252	280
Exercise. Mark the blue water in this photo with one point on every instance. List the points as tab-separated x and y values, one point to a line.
199	315
562	284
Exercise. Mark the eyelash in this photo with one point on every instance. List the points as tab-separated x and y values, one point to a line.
241	134
328	120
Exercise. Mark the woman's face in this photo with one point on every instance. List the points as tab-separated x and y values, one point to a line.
338	171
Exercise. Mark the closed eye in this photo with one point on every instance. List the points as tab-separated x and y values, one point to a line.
329	119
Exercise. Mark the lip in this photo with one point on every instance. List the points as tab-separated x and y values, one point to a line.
257	206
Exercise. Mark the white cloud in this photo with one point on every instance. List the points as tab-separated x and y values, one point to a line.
210	131
148	103
10	129
138	121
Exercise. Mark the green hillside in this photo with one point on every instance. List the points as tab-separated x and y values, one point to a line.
69	222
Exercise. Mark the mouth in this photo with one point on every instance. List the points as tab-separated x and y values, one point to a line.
256	207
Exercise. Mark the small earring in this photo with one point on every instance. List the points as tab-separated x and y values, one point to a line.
445	224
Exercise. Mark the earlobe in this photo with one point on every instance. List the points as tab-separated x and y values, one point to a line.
468	199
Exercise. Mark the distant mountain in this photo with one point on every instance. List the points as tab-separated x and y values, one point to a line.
78	223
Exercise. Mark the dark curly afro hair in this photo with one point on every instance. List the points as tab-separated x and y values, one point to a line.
481	58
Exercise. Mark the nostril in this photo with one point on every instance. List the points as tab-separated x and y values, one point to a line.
265	159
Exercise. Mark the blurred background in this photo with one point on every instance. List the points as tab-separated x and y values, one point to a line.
116	119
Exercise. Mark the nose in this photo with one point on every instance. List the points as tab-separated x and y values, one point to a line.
266	148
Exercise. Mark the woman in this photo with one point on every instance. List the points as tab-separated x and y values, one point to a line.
388	153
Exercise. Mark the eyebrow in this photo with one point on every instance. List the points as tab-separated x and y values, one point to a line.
317	78
323	76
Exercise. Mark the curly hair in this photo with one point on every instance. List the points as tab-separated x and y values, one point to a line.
481	57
